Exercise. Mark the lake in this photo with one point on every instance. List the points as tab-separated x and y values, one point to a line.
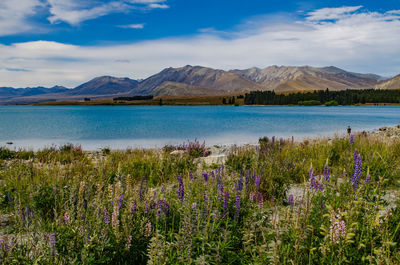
35	127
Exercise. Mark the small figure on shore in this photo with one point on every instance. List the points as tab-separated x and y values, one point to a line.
348	130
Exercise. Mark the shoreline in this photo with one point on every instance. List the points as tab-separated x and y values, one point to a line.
388	132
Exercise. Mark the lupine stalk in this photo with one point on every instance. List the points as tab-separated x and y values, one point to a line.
181	188
237	207
226	203
327	175
357	169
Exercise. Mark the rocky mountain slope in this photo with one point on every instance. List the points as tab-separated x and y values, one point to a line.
198	76
393	83
289	78
200	81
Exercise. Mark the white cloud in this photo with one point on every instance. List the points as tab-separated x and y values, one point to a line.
161	6
132	26
76	11
14	16
358	41
332	13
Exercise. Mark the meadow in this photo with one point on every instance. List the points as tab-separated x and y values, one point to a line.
319	201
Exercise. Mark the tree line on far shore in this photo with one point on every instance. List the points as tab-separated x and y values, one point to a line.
323	97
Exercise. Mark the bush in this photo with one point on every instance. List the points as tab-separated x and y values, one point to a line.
309	103
331	103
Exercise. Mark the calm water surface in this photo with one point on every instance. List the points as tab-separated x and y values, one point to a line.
122	127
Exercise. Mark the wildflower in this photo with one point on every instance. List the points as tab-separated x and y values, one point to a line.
237	207
114	217
194	206
53	249
290	199
205	176
226	203
106	216
66	217
352	139
326	171
146	207
121	201
181	189
221	190
259	199
338	228
147	229
239	184
128	243
205	204
311	177
258	182
191	176
133	207
357	169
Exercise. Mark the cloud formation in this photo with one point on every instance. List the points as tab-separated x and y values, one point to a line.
14	16
350	37
74	12
132	26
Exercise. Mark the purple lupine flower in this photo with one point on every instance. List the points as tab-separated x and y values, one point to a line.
133	207
258	182
191	176
163	189
226	203
106	216
166	208
352	139
237	207
327	175
221	191
205	176
181	188
53	244
357	169
321	187
290	199
311	177
121	201
205	204
239	184
159	208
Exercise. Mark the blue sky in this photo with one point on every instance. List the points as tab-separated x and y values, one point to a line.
49	42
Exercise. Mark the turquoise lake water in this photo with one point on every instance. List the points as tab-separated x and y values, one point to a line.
122	127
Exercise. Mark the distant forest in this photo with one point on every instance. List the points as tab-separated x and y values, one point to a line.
326	97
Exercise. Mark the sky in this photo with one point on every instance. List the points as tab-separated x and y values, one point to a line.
68	42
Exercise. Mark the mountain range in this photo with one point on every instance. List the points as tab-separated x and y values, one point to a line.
200	81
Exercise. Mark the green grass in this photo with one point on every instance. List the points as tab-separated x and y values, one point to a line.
148	206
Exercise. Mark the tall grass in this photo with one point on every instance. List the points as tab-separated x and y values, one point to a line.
65	206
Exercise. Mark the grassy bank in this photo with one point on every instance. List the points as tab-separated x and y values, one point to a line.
66	206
